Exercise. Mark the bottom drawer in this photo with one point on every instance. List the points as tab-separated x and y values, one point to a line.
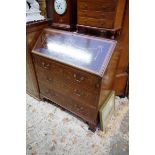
88	113
81	110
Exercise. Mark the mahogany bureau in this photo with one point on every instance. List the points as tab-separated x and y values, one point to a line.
75	71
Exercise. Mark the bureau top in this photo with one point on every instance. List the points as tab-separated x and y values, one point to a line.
84	52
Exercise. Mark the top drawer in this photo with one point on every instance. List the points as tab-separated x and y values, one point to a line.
42	62
85	80
48	65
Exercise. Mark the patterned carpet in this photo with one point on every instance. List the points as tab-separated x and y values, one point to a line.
51	131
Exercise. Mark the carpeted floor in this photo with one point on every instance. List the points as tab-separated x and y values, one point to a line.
51	131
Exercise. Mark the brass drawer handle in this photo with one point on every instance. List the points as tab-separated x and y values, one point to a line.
81	108
46	66
104	7
50	93
79	93
49	79
102	24
103	14
80	79
85	6
97	85
78	108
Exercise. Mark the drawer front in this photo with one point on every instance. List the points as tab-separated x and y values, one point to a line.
44	65
42	62
51	94
96	14
50	78
104	6
82	110
67	102
83	96
95	22
82	79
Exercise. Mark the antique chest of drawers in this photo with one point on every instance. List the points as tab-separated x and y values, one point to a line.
75	71
100	15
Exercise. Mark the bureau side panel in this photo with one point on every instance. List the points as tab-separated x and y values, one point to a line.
32	34
109	77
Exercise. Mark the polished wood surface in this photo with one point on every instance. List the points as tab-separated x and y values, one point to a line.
33	30
68	20
103	16
68	84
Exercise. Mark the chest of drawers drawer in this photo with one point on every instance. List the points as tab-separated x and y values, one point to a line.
84	80
42	62
96	14
52	94
45	64
95	22
81	95
82	110
97	6
49	78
